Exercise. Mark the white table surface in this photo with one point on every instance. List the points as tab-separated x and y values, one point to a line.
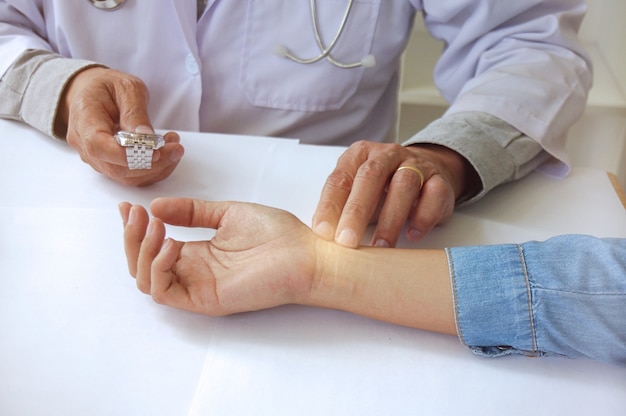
78	338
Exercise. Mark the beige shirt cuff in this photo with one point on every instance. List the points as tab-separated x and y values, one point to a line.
498	151
31	89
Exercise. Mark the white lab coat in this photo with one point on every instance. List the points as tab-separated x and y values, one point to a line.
518	60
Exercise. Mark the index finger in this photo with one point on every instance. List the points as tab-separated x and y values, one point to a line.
103	147
367	191
336	191
135	220
353	191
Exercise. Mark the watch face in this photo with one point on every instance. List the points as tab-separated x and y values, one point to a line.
126	139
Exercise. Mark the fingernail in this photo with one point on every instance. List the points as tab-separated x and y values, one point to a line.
122	214
414	235
151	227
132	215
144	129
347	238
324	230
382	243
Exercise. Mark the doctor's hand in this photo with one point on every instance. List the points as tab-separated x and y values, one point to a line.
97	103
391	185
260	257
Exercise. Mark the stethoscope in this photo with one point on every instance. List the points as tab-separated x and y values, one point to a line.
367	61
107	4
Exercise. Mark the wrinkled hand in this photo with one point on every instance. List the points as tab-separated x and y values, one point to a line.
366	186
96	104
260	257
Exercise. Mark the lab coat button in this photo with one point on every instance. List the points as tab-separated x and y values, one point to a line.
192	65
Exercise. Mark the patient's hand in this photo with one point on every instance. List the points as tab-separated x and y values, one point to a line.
260	257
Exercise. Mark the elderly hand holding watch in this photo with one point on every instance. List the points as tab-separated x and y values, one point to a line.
103	115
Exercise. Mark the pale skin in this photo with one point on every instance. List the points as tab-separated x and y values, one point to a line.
262	257
365	187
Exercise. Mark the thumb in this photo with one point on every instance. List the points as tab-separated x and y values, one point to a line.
132	101
188	212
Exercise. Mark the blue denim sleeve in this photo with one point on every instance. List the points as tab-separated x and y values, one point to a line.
562	297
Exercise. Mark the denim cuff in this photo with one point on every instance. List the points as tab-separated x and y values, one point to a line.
492	300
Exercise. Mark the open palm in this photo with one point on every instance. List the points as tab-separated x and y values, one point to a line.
259	257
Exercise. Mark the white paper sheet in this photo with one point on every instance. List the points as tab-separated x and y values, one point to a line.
301	361
78	338
295	360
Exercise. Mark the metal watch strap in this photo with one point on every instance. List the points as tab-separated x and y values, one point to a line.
139	156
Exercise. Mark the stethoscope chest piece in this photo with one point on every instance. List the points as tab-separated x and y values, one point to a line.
107	4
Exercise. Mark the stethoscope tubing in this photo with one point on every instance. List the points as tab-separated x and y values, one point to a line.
326	51
281	50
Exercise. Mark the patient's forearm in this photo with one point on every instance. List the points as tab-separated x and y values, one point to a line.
405	287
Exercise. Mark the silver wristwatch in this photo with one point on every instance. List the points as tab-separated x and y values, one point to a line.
139	148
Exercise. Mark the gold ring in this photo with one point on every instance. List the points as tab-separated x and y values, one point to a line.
413	169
